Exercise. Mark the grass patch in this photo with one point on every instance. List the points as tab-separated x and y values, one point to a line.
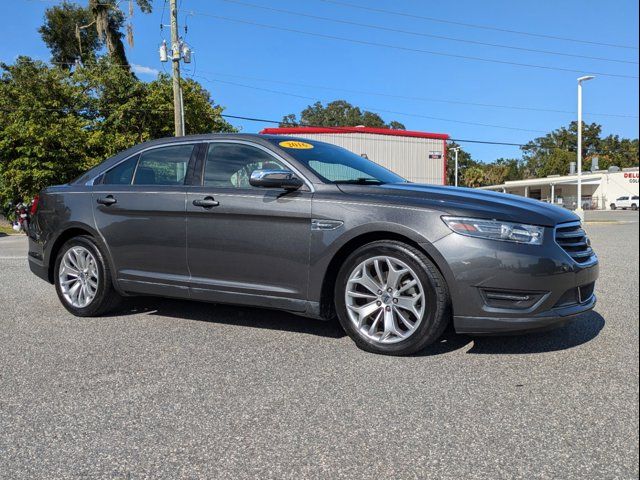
6	229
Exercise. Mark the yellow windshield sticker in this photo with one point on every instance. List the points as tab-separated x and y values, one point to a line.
297	145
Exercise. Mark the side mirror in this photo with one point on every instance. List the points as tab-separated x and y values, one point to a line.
275	179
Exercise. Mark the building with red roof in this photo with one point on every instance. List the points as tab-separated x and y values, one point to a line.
419	157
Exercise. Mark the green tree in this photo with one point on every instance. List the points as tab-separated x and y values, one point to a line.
473	177
56	123
127	111
62	33
43	140
338	113
613	150
550	155
464	162
68	28
502	170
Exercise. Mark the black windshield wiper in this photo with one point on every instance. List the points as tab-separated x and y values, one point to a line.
361	181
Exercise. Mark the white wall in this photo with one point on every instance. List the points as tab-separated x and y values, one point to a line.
618	184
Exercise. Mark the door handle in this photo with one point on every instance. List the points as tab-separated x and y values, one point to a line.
206	202
108	200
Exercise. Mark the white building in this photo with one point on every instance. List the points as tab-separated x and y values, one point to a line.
599	189
419	157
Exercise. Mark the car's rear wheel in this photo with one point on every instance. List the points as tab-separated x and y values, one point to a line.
391	299
634	207
83	279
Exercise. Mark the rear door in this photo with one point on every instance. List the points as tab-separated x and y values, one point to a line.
139	209
245	244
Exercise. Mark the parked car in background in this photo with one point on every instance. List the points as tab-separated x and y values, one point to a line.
313	229
624	202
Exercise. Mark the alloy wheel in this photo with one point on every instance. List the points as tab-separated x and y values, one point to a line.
385	299
78	276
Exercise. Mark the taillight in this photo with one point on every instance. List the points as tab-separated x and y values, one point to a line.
34	205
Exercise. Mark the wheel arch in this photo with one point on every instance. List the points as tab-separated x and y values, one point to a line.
72	231
327	309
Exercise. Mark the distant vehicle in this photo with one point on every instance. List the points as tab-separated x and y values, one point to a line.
628	201
310	228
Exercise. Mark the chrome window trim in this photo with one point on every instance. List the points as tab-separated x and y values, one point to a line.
264	149
308	183
90	182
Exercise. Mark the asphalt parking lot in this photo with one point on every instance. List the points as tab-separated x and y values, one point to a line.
172	389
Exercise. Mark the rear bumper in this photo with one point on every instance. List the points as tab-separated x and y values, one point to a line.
39	268
544	321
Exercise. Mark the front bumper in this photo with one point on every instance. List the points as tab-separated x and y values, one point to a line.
557	286
554	318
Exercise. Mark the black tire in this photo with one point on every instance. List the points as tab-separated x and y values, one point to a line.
106	298
613	206
437	312
634	207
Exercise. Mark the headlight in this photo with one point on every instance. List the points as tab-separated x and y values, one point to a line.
496	230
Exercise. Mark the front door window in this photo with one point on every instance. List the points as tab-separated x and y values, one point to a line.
229	165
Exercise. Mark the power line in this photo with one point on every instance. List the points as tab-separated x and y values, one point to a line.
410	49
413	98
389	95
477	26
277	122
364	92
339	129
235	117
374	109
422	34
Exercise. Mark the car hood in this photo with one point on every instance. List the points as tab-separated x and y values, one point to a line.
468	202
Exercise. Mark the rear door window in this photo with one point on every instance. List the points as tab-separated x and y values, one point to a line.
164	165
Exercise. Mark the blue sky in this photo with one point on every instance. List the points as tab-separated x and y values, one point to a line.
265	72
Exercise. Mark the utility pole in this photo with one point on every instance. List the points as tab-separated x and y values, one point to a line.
178	115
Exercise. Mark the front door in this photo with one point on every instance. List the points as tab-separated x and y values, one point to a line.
245	244
139	209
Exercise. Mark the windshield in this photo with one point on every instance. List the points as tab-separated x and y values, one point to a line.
335	164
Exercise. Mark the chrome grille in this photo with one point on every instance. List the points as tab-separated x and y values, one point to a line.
573	239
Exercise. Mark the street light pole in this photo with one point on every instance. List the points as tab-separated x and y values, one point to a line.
579	209
456	149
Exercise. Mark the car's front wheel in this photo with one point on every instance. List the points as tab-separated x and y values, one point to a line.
613	206
391	299
83	279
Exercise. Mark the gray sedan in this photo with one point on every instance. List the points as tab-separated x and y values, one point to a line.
314	229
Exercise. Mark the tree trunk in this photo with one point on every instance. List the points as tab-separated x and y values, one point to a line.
108	32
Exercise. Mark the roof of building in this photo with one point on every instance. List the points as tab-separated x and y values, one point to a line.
369	130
